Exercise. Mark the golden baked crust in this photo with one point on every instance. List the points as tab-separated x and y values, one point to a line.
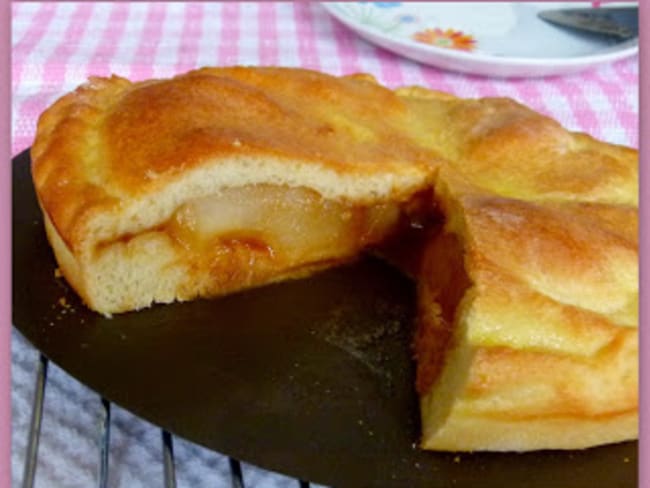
528	312
503	147
112	142
528	296
114	161
528	290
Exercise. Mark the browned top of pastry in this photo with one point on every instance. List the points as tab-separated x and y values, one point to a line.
511	150
113	144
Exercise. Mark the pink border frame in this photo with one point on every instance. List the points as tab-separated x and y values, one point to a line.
5	246
644	182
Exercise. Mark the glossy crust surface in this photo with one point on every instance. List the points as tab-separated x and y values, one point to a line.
528	294
538	347
114	160
114	148
503	147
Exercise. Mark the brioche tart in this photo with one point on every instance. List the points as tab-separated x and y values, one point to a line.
527	325
504	147
527	334
223	179
220	180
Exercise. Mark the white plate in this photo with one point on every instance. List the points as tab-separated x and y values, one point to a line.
493	38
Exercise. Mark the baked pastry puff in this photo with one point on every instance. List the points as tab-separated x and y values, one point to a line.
527	324
220	180
227	178
528	293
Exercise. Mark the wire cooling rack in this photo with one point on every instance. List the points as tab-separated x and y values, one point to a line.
104	434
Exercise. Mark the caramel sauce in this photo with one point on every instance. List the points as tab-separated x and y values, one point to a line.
277	228
443	284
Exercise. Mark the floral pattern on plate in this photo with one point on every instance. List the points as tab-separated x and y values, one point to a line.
504	39
448	38
408	21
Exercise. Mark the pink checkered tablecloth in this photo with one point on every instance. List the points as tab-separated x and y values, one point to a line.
56	46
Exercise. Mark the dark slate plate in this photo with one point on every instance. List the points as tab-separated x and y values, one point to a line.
311	378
